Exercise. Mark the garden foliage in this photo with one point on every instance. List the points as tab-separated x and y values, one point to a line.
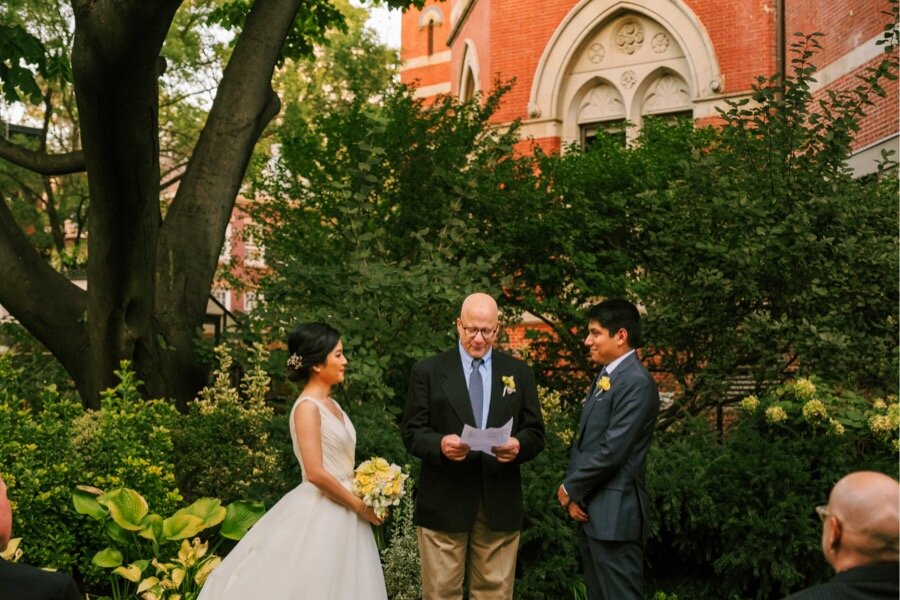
160	558
224	444
734	517
53	449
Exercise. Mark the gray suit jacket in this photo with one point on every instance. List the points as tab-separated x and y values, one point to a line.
609	458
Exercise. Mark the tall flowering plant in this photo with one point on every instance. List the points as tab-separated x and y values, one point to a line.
379	484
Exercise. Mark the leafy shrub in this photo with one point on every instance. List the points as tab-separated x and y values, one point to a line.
40	469
402	575
126	442
223	444
144	552
548	553
735	518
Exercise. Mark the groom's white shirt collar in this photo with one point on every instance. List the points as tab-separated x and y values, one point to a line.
612	365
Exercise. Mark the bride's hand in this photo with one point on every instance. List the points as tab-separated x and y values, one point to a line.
369	515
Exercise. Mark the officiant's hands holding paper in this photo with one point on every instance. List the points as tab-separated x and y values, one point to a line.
454	448
508	451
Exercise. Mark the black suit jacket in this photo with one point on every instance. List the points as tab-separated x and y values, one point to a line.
24	582
437	404
609	459
871	582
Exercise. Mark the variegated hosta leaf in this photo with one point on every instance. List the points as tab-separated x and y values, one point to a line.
126	507
132	572
190	553
180	526
147	584
209	509
107	558
12	552
117	534
85	501
207	566
240	518
153	528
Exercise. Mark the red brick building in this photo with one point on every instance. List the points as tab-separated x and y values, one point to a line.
595	65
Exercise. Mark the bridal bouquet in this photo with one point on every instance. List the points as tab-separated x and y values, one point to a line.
379	484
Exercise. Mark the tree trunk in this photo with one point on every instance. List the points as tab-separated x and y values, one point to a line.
115	58
191	237
47	304
148	280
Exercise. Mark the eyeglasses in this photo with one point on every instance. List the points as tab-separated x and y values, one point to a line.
486	333
822	511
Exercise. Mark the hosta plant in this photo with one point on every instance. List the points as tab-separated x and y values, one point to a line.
159	558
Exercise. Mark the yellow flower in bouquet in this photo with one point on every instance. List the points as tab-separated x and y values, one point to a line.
379	484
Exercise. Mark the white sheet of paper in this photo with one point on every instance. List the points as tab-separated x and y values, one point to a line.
485	439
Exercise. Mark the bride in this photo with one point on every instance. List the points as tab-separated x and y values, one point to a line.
316	542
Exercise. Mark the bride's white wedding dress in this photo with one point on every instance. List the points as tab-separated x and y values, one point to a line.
306	546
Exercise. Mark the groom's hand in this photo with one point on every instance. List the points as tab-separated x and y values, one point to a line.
573	509
454	448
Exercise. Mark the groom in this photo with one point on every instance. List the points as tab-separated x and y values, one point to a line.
468	503
604	485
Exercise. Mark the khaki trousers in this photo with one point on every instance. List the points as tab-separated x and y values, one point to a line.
489	555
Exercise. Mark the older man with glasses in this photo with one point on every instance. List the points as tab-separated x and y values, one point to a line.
860	539
469	503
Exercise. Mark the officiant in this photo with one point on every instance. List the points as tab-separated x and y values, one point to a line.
469	503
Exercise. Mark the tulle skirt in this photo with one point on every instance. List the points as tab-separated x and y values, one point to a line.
305	547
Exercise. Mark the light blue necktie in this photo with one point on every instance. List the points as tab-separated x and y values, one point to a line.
476	391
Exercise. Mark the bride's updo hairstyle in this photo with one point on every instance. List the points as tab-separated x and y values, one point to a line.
309	344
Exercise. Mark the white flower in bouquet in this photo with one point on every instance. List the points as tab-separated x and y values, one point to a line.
379	484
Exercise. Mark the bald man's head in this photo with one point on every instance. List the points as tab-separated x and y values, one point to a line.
477	324
865	507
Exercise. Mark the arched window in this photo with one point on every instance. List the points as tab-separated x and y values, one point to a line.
469	83
610	64
430	19
601	112
667	97
430	38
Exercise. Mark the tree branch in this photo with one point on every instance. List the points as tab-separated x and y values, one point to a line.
245	103
41	162
46	303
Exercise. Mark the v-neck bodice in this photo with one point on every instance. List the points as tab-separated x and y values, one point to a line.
338	441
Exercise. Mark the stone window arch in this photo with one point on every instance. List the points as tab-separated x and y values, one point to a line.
655	55
469	82
599	109
430	19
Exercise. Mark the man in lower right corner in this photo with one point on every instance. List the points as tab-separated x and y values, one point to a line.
604	489
860	539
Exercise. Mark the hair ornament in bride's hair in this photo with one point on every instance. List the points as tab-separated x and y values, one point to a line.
295	361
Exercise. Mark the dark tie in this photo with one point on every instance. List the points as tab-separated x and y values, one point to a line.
476	391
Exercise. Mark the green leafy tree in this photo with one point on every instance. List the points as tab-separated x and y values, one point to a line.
369	223
766	253
149	270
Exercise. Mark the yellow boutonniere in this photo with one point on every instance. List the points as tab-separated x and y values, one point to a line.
604	383
509	384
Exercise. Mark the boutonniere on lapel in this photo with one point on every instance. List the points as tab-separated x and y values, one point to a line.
509	384
604	383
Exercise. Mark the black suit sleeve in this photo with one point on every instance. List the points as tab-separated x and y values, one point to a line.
418	436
